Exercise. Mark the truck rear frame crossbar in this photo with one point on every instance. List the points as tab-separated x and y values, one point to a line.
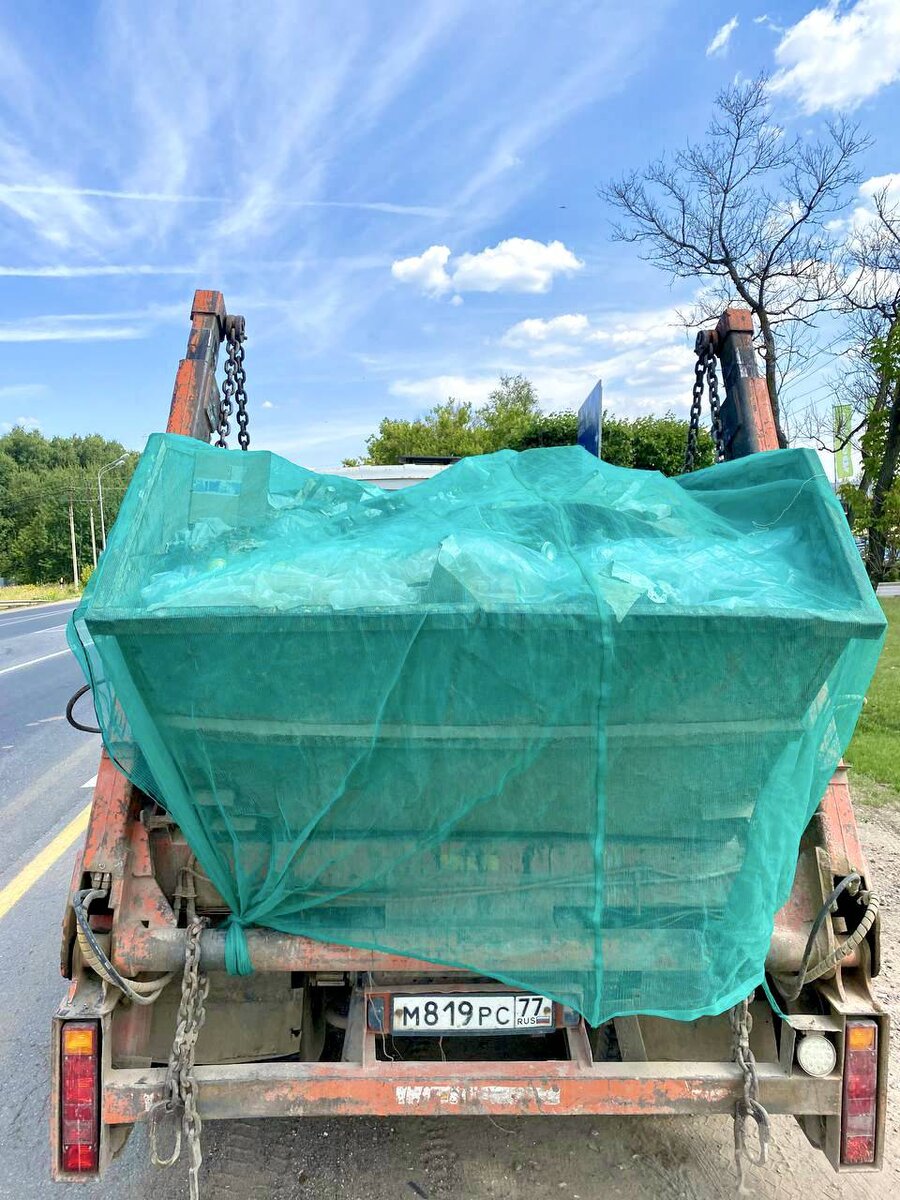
579	1087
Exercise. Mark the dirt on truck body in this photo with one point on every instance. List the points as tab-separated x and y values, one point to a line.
154	1029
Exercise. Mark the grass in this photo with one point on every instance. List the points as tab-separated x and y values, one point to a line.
874	752
21	593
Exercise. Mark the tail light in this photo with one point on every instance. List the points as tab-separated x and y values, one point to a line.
860	1093
80	1096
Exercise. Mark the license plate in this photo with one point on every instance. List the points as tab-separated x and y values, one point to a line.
487	1013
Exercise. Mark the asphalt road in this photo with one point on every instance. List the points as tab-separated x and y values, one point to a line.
44	767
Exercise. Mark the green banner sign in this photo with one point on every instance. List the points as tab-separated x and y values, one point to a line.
843	456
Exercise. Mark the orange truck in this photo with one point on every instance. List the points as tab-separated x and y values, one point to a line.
153	1028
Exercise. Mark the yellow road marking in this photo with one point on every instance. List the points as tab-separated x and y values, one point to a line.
42	862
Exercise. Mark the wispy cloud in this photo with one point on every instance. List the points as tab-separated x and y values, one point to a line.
719	43
21	422
22	391
98	271
275	202
72	328
293	169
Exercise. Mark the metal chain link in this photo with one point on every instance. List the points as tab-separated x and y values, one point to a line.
180	1085
225	401
712	384
240	378
748	1107
233	387
690	452
704	375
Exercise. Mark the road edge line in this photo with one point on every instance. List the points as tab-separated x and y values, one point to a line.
33	661
43	861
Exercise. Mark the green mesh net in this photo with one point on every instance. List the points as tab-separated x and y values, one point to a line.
553	721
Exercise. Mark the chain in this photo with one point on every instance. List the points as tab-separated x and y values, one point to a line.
690	452
180	1085
225	402
748	1106
704	375
233	388
240	378
712	384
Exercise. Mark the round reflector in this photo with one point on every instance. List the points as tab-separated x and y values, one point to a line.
816	1055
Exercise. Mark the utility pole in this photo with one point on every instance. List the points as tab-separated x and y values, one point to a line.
93	537
72	537
109	466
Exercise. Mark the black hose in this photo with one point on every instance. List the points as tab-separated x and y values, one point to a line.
71	705
797	986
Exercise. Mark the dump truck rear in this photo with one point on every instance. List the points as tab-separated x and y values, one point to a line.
155	1028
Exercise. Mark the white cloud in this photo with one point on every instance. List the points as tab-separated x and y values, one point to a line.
437	388
837	56
535	329
553	338
645	360
427	271
864	211
881	183
648	327
513	265
267	404
719	44
75	328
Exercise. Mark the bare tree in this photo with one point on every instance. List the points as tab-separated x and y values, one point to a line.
748	211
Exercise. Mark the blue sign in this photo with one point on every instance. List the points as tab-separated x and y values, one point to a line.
590	418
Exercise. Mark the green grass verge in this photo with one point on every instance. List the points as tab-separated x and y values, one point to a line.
21	593
874	752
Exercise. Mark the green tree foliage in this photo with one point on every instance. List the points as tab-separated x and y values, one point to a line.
457	429
652	443
873	500
511	419
548	429
38	477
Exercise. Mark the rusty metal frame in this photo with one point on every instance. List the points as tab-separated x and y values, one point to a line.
747	419
578	1087
195	398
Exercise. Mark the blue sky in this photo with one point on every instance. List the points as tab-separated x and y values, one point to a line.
400	198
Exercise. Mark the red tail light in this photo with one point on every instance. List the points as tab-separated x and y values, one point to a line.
860	1093
80	1096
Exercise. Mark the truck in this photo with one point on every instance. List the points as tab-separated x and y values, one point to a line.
154	1029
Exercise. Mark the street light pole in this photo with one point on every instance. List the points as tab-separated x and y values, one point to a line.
109	466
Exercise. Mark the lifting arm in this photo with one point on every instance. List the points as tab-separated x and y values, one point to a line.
747	421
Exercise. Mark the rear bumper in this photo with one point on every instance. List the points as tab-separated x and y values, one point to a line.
470	1089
